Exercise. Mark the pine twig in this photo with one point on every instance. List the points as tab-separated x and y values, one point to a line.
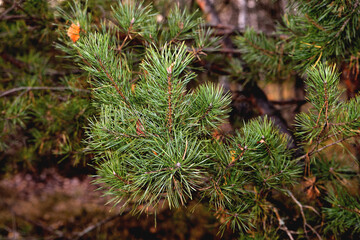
49	229
356	5
336	142
206	113
232	163
344	123
305	224
127	35
222	50
326	146
357	211
13	6
169	71
98	224
113	81
120	178
265	51
160	170
282	225
118	89
314	23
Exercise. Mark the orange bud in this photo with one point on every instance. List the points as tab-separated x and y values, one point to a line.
73	32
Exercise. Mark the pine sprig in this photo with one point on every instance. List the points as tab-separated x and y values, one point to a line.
329	117
154	138
344	215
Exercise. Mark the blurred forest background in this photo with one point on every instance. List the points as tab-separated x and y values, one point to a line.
45	104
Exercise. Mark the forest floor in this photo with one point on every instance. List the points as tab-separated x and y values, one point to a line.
52	206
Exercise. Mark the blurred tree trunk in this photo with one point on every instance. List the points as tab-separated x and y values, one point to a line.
261	15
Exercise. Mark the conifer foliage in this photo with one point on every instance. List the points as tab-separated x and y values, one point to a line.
154	138
43	103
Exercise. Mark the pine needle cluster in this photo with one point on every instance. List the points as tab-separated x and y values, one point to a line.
313	41
154	138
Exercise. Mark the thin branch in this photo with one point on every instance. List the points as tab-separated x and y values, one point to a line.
356	5
186	146
13	6
13	90
123	43
222	50
120	178
38	19
271	176
357	211
326	103
232	163
206	113
326	146
314	231
282	224
169	70
344	123
98	224
318	140
118	134
265	51
113	81
15	62
176	36
160	170
41	225
305	224
315	23
338	141
118	90
127	35
224	29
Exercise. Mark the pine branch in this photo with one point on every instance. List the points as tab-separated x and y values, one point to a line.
326	106
13	6
127	35
49	229
120	178
113	82
357	211
282	225
324	147
98	224
265	51
344	123
305	224
334	143
231	164
314	23
206	113
169	79
356	5
121	135
16	62
176	165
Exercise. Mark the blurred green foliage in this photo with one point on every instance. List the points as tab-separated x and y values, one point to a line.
44	102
